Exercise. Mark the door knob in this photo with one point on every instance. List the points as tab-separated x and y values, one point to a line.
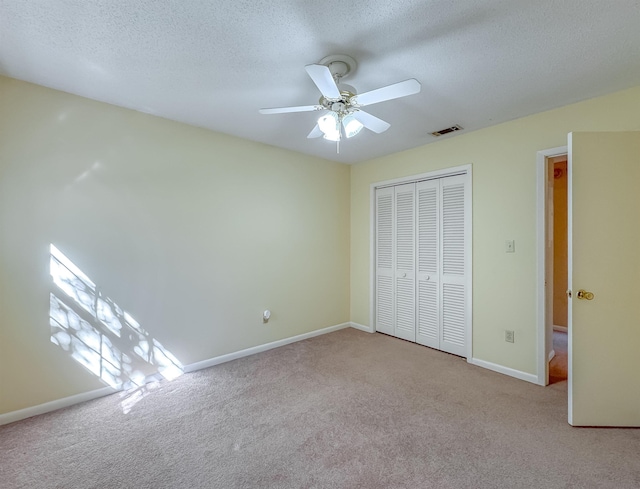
404	275
584	294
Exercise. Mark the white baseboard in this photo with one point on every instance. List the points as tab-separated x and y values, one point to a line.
260	348
518	374
552	354
362	327
562	329
54	405
88	396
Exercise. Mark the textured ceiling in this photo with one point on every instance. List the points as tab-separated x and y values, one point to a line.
215	63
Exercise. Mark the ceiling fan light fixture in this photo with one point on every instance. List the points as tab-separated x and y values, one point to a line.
341	104
351	125
329	124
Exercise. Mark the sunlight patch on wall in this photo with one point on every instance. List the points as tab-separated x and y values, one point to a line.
100	335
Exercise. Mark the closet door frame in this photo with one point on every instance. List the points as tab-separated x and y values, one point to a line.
437	174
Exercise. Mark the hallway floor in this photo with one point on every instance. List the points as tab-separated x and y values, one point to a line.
558	366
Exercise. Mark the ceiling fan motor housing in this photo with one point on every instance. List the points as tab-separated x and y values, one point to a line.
340	65
344	104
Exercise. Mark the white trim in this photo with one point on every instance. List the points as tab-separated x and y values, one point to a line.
47	407
260	348
541	182
518	374
372	257
560	329
362	327
468	203
552	354
105	391
442	173
570	278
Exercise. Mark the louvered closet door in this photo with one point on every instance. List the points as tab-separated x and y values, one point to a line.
428	263
454	265
404	251
385	300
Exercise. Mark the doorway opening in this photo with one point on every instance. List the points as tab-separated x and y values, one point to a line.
552	238
557	235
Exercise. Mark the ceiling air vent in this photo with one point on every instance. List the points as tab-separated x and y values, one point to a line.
442	132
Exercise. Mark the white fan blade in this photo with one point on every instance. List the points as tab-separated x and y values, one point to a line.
371	122
284	110
397	90
321	76
315	132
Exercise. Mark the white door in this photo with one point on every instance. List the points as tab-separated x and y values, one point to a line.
455	253
395	261
423	262
604	259
428	331
443	271
385	310
404	251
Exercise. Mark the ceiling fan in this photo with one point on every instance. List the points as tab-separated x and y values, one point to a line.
341	103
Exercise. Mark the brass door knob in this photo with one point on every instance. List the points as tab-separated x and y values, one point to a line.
584	294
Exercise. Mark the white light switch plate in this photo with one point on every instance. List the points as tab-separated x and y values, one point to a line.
510	246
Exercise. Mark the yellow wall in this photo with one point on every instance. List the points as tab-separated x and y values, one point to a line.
193	233
560	300
504	207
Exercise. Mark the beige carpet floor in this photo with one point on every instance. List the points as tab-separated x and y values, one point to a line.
343	410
